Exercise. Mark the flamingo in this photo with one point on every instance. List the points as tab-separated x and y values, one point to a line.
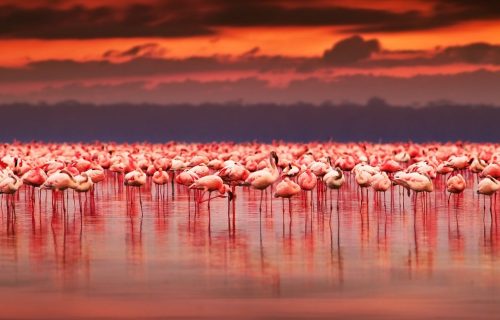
84	184
291	171
35	177
262	179
414	181
402	157
233	173
9	185
136	178
307	181
96	173
334	179
211	183
493	170
286	189
160	178
477	165
458	162
487	187
455	185
391	166
363	179
60	180
380	182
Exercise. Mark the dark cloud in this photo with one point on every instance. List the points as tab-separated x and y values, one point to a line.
274	13
68	70
149	50
250	53
444	13
147	60
175	18
79	22
351	50
474	53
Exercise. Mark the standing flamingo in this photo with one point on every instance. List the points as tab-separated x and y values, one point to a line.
60	180
380	182
307	181
334	179
35	177
211	183
9	185
285	190
264	178
455	185
487	187
136	178
160	178
84	184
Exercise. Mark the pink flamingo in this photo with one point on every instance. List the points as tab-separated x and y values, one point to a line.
264	178
211	183
136	178
160	178
334	180
9	185
488	187
286	189
455	185
307	181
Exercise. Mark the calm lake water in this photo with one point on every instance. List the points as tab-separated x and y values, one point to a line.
372	260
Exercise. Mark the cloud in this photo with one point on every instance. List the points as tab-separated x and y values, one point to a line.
351	50
474	53
444	13
147	50
148	60
277	13
80	22
175	18
250	53
69	70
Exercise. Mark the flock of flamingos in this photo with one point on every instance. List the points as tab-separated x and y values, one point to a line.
216	170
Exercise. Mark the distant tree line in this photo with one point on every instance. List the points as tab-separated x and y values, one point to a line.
375	121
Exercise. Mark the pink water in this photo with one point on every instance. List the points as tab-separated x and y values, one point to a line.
369	260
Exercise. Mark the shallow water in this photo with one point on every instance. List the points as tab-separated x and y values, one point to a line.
375	259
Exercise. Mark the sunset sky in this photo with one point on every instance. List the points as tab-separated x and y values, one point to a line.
407	52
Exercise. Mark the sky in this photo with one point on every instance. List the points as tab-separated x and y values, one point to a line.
411	52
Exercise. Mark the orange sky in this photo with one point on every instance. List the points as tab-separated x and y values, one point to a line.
291	41
235	41
279	40
42	39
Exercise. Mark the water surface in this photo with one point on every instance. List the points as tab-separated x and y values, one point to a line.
375	259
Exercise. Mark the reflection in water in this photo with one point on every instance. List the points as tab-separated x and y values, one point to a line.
379	250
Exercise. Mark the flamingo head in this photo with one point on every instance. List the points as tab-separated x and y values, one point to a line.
230	196
226	189
341	174
66	171
275	157
492	179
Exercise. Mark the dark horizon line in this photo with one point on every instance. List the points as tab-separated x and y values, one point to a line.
372	102
373	122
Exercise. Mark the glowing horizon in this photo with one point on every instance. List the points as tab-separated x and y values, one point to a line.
83	43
